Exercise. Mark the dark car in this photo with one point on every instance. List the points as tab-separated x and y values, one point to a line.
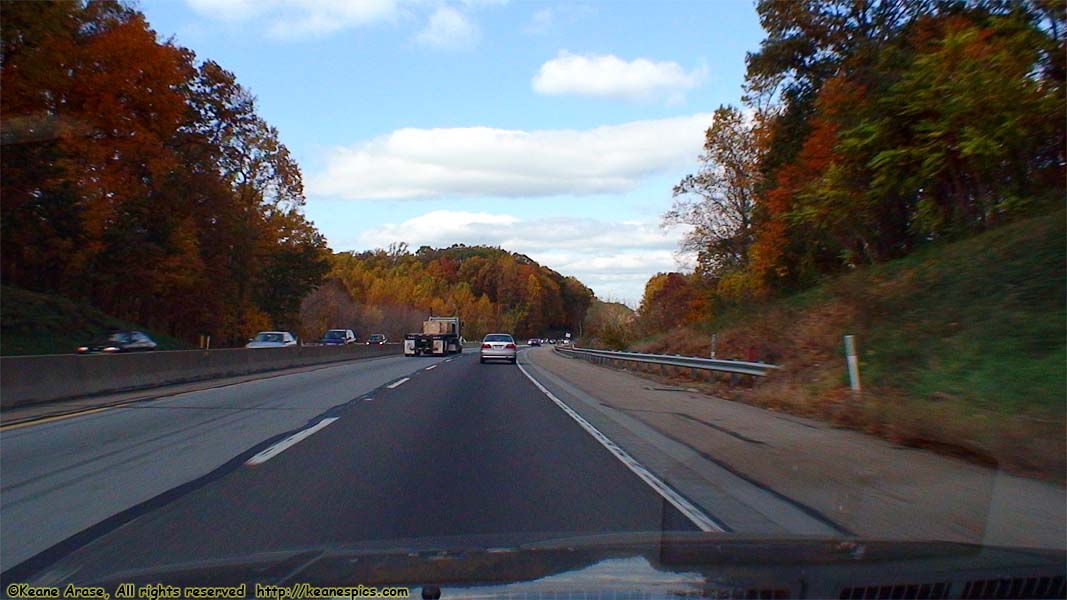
376	338
338	337
120	341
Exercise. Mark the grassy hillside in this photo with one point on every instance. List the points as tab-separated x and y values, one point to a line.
32	323
962	346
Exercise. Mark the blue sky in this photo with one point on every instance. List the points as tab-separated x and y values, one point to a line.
552	129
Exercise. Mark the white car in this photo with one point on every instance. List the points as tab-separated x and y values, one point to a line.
499	346
271	339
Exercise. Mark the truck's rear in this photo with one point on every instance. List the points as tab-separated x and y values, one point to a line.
440	336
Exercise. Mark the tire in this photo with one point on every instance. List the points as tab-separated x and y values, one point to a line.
481	360
515	361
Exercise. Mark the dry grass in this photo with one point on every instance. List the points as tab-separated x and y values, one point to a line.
928	385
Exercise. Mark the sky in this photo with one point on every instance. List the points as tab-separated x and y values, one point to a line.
553	129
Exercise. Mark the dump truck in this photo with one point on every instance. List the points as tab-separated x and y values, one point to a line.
440	336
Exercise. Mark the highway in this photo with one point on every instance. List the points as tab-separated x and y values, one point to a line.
371	450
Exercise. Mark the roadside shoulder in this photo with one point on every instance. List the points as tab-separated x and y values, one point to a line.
861	483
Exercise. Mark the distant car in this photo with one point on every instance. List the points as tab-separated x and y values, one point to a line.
376	338
499	346
271	339
338	337
534	342
119	341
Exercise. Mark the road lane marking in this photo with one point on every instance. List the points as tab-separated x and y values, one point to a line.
398	383
60	417
687	508
431	367
288	442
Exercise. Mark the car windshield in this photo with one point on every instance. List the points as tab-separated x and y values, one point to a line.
801	267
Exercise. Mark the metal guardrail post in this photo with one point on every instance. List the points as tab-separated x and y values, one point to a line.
853	364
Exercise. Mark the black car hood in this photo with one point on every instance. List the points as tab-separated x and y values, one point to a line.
654	564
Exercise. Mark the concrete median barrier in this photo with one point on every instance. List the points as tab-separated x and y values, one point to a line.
32	379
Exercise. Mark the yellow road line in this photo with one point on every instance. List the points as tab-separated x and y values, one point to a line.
44	420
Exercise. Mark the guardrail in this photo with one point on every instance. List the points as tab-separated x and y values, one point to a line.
666	360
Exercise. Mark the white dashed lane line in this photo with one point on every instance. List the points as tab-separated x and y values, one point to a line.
398	383
431	367
288	442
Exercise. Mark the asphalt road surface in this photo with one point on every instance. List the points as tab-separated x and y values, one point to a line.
383	449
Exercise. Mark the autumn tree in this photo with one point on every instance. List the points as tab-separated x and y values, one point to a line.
142	182
718	203
608	324
670	300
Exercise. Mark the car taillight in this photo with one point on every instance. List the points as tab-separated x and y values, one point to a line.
510	346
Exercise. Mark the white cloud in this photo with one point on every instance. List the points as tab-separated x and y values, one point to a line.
608	76
448	28
613	258
300	18
540	22
482	161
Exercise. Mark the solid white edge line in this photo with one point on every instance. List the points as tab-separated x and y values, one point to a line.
398	383
431	367
292	440
694	514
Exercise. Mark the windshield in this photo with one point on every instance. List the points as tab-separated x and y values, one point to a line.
745	271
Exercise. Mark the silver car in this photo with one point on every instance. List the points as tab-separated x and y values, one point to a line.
271	339
499	346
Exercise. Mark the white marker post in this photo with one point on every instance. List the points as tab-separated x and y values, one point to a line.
714	338
853	363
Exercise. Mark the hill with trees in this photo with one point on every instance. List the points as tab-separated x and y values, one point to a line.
391	291
897	171
871	130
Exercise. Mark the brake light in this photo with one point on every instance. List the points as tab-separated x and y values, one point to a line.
510	346
486	346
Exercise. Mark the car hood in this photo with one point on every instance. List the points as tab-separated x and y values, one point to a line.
652	564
